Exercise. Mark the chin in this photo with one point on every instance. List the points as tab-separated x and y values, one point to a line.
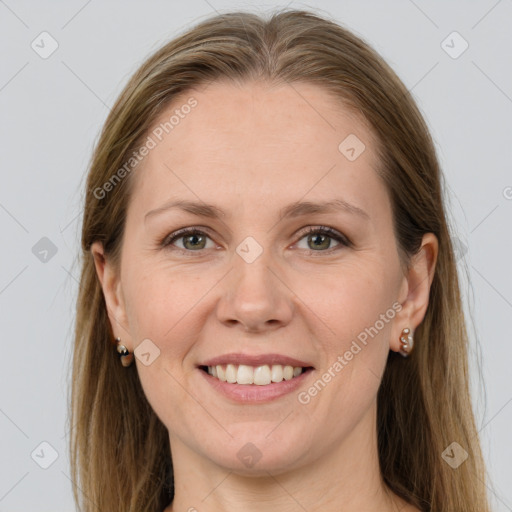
256	453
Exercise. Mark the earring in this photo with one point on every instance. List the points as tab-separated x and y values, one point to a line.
124	354
407	341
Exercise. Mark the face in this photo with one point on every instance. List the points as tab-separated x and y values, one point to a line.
257	278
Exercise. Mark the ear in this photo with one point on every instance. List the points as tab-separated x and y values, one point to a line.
415	289
112	291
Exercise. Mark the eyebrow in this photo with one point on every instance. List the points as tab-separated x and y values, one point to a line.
297	209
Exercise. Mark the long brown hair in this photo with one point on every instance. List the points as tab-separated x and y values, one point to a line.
120	454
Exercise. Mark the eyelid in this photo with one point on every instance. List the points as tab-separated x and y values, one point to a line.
326	230
182	232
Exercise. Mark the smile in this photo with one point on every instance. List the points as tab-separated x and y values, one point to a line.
262	375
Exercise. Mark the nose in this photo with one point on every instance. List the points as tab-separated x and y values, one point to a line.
255	296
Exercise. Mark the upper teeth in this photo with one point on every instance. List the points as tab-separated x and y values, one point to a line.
260	375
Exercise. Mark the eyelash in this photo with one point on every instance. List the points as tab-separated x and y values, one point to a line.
168	240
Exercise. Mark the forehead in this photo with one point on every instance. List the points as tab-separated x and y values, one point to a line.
259	141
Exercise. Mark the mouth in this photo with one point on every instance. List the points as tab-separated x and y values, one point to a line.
261	375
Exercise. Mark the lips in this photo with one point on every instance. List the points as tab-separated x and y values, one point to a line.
255	360
260	392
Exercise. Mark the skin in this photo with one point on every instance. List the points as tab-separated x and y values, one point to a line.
251	150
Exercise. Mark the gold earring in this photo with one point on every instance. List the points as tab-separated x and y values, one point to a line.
124	354
407	341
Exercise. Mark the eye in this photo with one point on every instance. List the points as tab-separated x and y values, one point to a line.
193	239
319	239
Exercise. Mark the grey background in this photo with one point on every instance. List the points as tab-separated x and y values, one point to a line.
51	112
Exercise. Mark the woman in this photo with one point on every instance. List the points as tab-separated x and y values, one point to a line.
269	315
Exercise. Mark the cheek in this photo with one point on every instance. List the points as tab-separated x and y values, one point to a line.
164	309
358	310
354	299
158	301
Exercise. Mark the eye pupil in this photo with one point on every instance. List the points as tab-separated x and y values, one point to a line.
316	236
194	237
